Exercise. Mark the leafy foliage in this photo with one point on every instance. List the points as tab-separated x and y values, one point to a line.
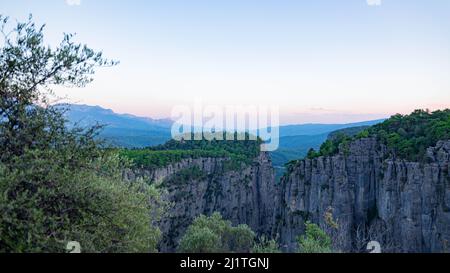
153	159
46	202
408	136
28	68
315	240
330	147
57	184
238	151
215	235
351	132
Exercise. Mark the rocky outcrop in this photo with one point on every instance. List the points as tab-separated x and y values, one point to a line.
243	196
372	195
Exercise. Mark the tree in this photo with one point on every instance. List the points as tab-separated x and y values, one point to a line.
200	240
58	184
242	239
406	136
28	70
215	235
312	154
315	240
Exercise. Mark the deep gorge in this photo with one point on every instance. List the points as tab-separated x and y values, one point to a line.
371	194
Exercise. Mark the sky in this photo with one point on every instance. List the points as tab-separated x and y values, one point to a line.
327	61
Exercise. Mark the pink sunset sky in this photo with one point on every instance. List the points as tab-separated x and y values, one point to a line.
319	61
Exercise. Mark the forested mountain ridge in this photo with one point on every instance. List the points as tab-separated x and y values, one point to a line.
365	189
318	129
388	183
120	130
408	136
372	195
129	131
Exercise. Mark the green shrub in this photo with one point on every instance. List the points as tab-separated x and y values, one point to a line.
315	240
241	239
57	184
215	235
200	240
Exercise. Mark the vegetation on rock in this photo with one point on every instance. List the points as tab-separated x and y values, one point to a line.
238	151
408	136
315	240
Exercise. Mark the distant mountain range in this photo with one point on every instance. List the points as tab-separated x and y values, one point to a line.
129	131
319	129
296	140
121	130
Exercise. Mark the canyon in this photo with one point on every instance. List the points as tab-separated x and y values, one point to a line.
363	193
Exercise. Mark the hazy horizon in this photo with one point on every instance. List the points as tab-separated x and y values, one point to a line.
169	118
320	61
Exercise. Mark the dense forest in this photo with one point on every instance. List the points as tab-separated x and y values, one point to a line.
238	151
408	136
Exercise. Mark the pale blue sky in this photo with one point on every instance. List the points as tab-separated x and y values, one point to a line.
319	60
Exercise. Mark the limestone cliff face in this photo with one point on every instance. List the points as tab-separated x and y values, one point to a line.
244	196
372	196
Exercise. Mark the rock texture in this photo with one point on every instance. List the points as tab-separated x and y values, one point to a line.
244	196
372	196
